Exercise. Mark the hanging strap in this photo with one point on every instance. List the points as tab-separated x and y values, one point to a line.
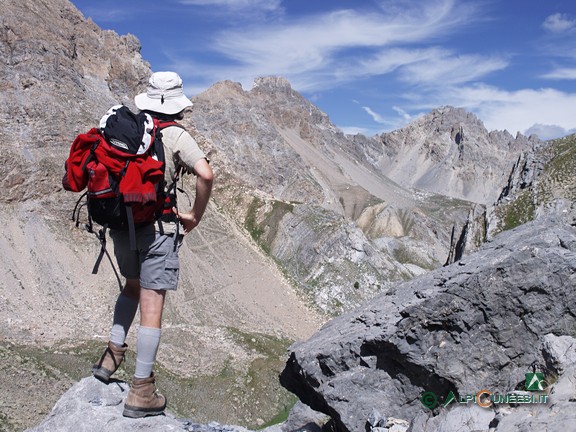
172	202
77	208
101	235
131	228
171	190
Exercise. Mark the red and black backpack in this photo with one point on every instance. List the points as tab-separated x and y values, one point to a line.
121	165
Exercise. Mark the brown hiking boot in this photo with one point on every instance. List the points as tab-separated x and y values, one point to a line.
109	362
143	400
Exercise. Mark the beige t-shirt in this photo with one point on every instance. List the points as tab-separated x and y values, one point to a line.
180	149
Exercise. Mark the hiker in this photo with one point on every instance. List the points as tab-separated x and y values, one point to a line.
152	269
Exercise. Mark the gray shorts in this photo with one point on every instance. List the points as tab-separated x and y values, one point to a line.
155	262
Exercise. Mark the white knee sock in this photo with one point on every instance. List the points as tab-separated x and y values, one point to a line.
146	349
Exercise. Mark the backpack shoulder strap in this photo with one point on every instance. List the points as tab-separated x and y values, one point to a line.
164	124
160	125
171	189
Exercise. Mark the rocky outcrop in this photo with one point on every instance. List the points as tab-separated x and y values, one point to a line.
92	406
481	323
556	414
523	175
540	184
470	236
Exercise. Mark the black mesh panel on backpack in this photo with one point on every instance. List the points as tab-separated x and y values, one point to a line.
110	212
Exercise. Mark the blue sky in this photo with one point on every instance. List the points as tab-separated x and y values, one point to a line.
372	65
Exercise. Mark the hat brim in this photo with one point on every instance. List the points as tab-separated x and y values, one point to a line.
170	105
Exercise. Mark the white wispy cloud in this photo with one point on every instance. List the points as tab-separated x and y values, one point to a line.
403	114
402	44
517	111
559	23
404	117
561	74
375	116
315	50
435	66
441	67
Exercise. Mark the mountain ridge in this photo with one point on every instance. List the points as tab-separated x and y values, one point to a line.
304	162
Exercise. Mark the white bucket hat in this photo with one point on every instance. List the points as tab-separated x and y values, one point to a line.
164	94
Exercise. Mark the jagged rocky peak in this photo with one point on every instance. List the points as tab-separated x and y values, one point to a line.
271	105
461	124
451	125
61	73
227	86
450	151
271	84
457	113
222	93
447	118
276	89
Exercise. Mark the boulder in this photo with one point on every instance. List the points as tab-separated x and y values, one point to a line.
481	323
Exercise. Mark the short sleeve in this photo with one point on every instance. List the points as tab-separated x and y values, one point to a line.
181	149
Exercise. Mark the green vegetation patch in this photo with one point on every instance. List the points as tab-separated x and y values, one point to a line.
517	212
558	178
404	255
264	227
251	397
251	223
29	371
406	220
269	346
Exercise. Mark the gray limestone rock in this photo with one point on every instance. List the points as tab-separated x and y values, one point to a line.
91	406
481	323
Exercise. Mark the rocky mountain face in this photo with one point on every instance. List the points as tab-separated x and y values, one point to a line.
57	71
540	183
305	223
450	152
322	204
